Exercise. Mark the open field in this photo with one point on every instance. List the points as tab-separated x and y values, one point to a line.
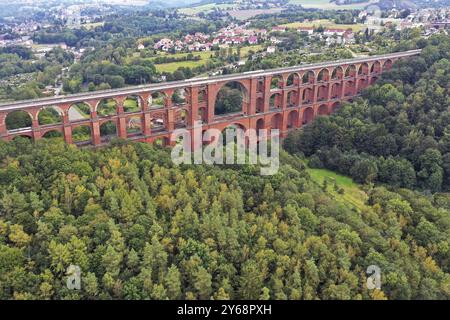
326	23
352	191
247	14
93	25
327	5
204	57
192	11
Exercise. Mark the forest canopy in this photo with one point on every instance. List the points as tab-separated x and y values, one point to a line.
141	228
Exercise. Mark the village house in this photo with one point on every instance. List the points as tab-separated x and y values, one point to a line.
308	30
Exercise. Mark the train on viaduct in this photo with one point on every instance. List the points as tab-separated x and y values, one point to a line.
282	98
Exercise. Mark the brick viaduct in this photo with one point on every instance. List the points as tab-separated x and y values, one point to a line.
283	98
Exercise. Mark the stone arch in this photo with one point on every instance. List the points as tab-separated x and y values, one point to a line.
158	121
107	108
292	98
260	125
362	84
336	89
18	120
232	97
181	118
260	85
202	95
349	88
276	82
179	96
276	101
233	126
82	134
157	99
276	122
27	136
335	106
53	134
308	115
108	130
79	111
293	119
308	77
50	115
387	64
322	93
338	73
376	68
322	110
132	104
134	125
363	69
350	71
308	94
323	75
293	80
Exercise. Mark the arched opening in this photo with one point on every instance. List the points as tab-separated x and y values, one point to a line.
362	84
276	122
158	122
17	120
293	80
307	96
157	100
230	133
179	97
106	108
276	82
181	118
336	90
322	93
108	130
260	126
373	80
387	65
50	115
79	111
23	137
134	125
260	105
82	135
276	101
53	134
308	115
376	67
363	69
231	98
350	71
132	104
323	110
161	142
202	95
292	100
292	121
335	107
323	76
203	115
338	74
260	85
350	88
308	78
